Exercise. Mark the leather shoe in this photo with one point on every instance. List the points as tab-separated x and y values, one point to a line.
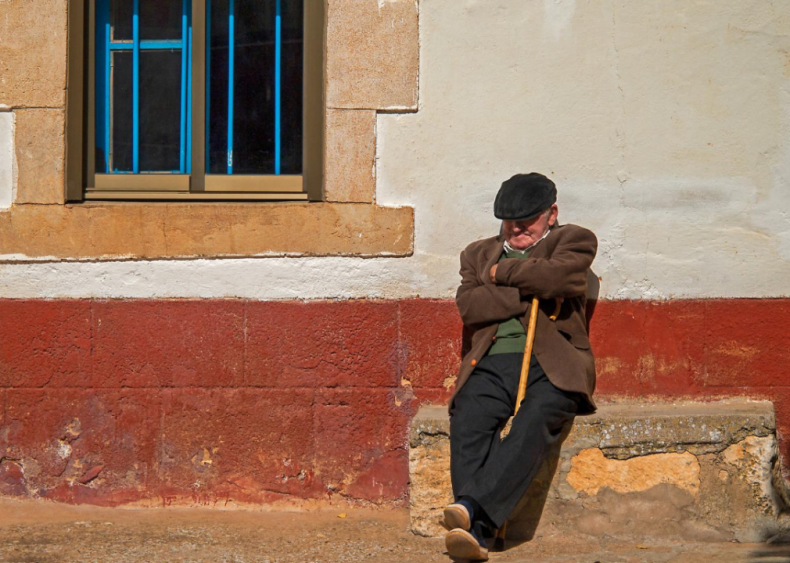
456	516
462	546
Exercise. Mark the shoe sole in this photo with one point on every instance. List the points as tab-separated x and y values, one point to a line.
456	517
462	546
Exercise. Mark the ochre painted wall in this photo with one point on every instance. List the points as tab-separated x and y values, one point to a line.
225	402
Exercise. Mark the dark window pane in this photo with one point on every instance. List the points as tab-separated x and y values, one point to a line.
291	113
254	87
160	111
121	19
160	19
217	95
121	127
253	119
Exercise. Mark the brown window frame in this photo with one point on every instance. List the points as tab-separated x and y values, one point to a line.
83	183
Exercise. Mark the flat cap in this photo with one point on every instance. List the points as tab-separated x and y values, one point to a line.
523	196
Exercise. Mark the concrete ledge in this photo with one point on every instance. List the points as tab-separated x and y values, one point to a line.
697	471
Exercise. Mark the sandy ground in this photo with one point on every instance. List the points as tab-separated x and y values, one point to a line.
39	532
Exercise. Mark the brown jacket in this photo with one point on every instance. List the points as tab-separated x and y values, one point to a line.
557	267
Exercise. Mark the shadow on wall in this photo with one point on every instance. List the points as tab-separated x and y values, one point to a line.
593	291
773	553
526	516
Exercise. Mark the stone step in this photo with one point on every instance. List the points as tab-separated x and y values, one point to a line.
691	470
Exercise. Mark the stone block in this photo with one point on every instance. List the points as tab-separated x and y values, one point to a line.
430	488
373	54
350	156
591	471
737	336
360	442
325	344
696	471
660	348
45	343
431	350
40	150
384	480
237	445
627	430
33	53
176	230
168	343
12	478
57	436
426	396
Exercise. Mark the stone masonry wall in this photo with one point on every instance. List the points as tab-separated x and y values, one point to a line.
701	471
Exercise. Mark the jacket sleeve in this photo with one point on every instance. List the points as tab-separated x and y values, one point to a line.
481	303
564	274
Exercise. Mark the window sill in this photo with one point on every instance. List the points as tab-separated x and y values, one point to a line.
178	230
114	195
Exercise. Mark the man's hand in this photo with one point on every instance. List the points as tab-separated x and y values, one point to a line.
493	273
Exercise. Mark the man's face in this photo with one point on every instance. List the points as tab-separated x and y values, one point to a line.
523	234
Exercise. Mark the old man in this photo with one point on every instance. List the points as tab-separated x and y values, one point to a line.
533	256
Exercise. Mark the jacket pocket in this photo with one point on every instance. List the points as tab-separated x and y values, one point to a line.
580	341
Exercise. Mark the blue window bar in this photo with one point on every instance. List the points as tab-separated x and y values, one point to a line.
254	93
254	88
142	94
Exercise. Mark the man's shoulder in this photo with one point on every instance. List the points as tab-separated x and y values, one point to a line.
574	232
482	245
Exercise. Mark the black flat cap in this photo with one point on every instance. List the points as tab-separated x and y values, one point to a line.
523	196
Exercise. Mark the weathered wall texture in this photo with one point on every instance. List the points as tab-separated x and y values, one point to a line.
664	125
247	401
113	402
694	470
32	53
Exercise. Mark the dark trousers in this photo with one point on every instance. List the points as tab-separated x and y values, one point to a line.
497	473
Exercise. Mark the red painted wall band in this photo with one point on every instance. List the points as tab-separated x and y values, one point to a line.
209	401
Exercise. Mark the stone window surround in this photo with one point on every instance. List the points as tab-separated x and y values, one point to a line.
372	65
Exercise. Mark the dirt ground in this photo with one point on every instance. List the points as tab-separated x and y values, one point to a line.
39	532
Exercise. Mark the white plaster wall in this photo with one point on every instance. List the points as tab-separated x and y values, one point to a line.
7	159
664	124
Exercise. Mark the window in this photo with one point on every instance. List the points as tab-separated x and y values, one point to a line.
195	99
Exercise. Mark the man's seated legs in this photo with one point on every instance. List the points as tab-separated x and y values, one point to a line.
479	410
494	473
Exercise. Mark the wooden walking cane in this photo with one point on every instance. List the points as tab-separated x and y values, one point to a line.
499	542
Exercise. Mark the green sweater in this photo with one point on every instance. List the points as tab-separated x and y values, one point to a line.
511	338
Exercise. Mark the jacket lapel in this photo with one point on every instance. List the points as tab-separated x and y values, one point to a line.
491	256
541	250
